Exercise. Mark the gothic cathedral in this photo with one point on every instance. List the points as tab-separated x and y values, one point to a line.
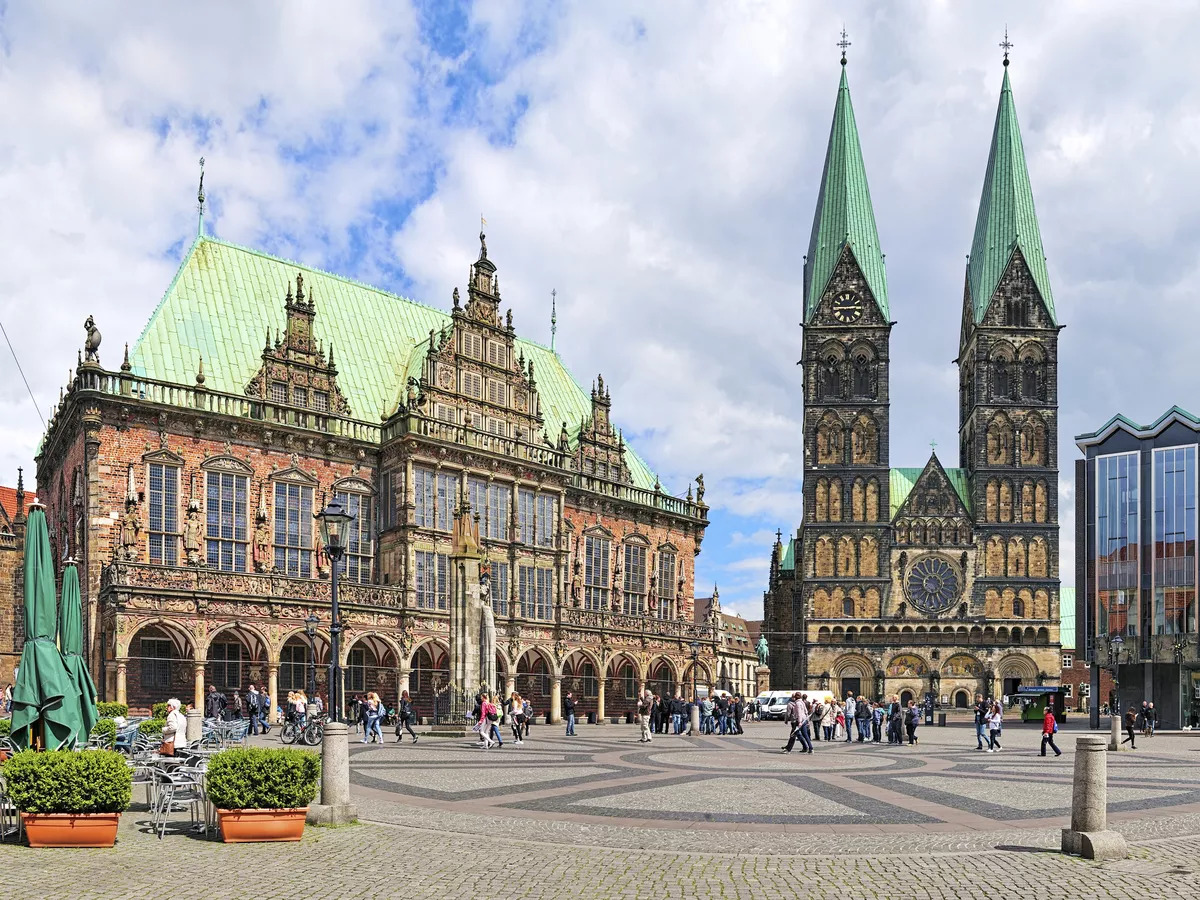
932	580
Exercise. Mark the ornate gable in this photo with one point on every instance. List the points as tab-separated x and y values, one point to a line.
600	451
933	495
295	372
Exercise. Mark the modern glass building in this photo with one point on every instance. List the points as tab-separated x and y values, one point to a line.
1135	563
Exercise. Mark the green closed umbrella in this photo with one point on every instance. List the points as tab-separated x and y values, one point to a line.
70	643
45	700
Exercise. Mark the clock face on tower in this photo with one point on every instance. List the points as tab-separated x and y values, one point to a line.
848	307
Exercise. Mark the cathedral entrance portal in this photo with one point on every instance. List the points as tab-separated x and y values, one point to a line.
851	686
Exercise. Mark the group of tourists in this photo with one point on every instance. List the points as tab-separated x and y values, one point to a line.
815	719
516	711
719	715
255	705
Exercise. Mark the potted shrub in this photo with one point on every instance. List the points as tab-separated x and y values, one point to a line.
262	795
69	799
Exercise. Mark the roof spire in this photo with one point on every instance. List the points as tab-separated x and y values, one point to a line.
553	316
843	43
200	201
1006	45
844	216
1007	221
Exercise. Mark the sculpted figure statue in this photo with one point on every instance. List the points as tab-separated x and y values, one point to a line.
131	531
762	650
193	534
260	552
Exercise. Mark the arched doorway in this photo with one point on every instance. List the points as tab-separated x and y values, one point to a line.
430	672
906	696
533	681
961	700
236	657
662	679
159	667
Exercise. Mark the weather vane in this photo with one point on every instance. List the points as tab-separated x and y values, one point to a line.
843	43
200	199
1006	45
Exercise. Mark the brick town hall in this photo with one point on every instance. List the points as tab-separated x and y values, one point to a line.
186	479
932	579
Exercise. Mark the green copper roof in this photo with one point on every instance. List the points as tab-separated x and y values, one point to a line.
224	297
788	563
844	213
901	482
1066	615
1006	219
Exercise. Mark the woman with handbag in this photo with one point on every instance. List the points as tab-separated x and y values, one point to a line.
174	729
404	718
516	717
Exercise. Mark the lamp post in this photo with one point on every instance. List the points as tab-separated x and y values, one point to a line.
334	523
694	717
1115	643
310	628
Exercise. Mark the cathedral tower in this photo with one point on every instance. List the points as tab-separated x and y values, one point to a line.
845	359
1008	410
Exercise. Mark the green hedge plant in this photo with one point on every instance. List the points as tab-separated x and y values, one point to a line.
112	710
5	727
106	728
257	778
159	710
62	781
152	727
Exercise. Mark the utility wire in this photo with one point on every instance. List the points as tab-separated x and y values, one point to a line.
22	371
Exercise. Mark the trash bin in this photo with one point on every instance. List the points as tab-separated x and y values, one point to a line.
591	718
929	715
941	720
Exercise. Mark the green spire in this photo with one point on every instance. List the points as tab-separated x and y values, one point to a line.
844	213
1006	219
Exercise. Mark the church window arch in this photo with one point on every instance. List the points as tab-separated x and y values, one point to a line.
1016	557
830	441
918	532
873	500
822	501
823	557
993	559
848	607
858	500
993	500
835	500
862	372
1006	501
1040	502
964	533
1000	441
845	557
1018	608
902	531
1038	561
868	557
1001	378
829	378
1033	442
1027	501
865	440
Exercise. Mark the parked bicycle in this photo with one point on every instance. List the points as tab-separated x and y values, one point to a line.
306	732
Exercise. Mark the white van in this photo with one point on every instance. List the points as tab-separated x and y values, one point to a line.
772	704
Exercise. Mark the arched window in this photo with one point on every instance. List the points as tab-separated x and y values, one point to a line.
822	501
1030	382
847	607
829	441
1001	381
1015	312
858	500
1033	442
873	500
830	379
835	500
1018	609
862	381
845	558
865	440
1000	442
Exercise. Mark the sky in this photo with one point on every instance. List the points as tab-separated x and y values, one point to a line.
655	164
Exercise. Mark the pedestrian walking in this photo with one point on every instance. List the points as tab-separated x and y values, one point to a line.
816	717
1130	722
569	711
237	706
527	711
405	716
1049	729
644	705
798	716
981	714
911	721
214	703
1151	720
373	711
174	731
516	717
995	724
862	715
739	709
493	721
254	705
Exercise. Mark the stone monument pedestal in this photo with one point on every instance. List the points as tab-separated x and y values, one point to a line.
335	807
762	678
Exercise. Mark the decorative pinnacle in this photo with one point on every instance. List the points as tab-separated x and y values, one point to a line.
200	372
843	43
200	200
553	316
125	366
1006	45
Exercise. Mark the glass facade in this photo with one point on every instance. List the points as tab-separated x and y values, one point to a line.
1117	537
1174	560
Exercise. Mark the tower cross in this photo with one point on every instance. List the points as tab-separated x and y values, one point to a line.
553	316
1006	45
844	43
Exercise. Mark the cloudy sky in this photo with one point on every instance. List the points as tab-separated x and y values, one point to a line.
656	163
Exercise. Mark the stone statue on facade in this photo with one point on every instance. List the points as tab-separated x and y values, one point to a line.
577	585
762	650
91	346
700	489
260	551
487	633
131	531
193	535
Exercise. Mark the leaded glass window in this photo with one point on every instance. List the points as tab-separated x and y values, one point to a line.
596	578
225	513
293	529
163	483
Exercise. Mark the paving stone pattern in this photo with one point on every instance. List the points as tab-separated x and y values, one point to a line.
685	817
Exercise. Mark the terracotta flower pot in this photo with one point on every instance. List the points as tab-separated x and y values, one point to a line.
71	829
240	826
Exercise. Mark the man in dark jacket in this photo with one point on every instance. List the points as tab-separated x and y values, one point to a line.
981	711
569	712
678	710
738	710
214	703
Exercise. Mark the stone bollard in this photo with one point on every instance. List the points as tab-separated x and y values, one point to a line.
694	720
1088	835
195	725
335	807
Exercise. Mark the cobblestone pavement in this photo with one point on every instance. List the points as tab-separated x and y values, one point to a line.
603	816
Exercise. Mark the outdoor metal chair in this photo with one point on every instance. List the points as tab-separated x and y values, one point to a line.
11	826
175	792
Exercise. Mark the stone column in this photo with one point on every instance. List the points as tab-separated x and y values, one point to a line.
195	725
600	702
556	700
122	683
272	692
1088	835
402	675
198	694
510	684
335	807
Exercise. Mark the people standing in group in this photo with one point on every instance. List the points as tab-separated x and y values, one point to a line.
816	717
995	724
406	714
255	707
862	718
655	713
678	710
214	704
236	706
373	717
707	708
912	718
1049	729
1130	723
876	722
644	705
569	711
848	711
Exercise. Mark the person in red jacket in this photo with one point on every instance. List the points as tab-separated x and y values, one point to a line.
1049	727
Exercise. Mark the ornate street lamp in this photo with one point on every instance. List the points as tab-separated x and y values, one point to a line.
695	657
310	628
334	522
1115	643
694	716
